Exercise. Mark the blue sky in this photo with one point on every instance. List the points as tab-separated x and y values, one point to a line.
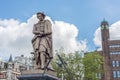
86	15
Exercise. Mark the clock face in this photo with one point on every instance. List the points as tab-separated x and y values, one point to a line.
104	27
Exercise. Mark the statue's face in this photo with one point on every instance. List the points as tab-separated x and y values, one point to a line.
40	17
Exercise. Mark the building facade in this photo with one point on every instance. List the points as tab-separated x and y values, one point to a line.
9	70
25	63
111	54
12	69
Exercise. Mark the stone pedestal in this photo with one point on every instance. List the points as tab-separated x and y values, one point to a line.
38	75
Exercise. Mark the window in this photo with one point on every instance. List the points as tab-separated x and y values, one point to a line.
99	76
114	52
118	74
117	63
114	74
113	63
115	46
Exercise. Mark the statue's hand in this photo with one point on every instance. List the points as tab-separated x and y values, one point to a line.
39	35
51	58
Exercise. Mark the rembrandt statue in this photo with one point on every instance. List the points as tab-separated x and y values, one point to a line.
42	41
42	46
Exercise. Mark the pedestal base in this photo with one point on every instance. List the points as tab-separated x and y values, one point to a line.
38	75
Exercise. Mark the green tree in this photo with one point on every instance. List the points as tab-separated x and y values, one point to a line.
73	63
92	62
90	65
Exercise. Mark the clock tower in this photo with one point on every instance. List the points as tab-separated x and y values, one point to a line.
105	49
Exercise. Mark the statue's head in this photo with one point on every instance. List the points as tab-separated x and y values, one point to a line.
40	16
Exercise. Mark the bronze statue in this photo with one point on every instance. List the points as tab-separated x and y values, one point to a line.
42	41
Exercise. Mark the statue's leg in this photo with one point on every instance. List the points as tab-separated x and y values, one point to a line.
37	57
37	61
42	57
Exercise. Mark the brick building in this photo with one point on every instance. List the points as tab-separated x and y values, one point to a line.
111	54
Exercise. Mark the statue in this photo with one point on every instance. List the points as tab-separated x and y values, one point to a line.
42	41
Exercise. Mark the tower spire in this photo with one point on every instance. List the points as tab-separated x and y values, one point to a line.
104	24
10	59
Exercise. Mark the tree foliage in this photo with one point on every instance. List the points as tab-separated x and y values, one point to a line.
78	66
73	63
93	62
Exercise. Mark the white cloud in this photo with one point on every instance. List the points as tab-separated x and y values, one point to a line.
16	37
97	37
65	35
114	31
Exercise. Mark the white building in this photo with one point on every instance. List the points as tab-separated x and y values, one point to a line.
12	69
9	70
24	62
